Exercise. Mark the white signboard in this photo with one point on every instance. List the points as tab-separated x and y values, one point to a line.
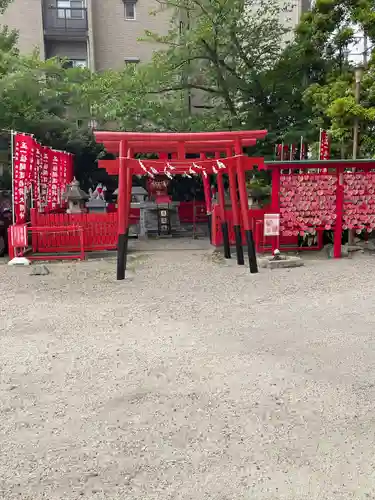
271	224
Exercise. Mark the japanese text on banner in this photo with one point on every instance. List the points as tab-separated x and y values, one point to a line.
23	165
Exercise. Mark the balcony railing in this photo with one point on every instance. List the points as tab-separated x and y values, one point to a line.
66	22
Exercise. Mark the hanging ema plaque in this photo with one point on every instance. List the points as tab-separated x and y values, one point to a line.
164	222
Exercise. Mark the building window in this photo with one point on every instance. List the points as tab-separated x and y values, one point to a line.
131	60
70	9
75	63
130	14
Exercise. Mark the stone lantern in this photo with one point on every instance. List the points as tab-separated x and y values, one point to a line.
75	197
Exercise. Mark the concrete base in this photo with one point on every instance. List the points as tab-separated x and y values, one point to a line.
283	263
19	261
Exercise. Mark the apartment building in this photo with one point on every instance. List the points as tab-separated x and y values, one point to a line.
297	7
100	34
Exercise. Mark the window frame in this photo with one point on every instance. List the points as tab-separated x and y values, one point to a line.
66	10
71	63
130	3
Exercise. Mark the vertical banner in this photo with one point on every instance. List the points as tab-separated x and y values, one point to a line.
63	175
29	151
282	152
53	191
324	150
44	177
23	164
36	180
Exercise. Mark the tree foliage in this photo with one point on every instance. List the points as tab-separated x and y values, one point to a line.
326	34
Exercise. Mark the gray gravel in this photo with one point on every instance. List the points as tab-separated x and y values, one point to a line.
190	380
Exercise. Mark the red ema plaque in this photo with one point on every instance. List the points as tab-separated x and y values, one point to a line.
158	189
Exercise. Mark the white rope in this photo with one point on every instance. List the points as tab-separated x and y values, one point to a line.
145	169
169	175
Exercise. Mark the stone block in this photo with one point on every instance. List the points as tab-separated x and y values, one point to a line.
283	263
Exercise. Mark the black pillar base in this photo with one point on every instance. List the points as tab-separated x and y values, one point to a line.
251	251
239	248
122	253
224	229
210	226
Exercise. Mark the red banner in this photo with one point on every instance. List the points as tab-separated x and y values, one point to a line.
54	183
325	153
23	165
282	152
44	176
37	198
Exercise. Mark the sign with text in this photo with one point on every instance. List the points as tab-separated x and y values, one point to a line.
18	235
271	224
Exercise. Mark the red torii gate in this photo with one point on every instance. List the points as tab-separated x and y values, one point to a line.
128	144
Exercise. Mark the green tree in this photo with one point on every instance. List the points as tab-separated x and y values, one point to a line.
325	35
240	64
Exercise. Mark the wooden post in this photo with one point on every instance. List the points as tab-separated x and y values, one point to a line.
207	198
339	213
245	209
235	211
275	195
121	213
129	185
224	223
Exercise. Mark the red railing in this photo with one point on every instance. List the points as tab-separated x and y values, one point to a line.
99	229
99	232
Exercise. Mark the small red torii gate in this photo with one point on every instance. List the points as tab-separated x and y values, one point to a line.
128	144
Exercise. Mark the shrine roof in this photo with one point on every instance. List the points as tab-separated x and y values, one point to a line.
102	135
172	147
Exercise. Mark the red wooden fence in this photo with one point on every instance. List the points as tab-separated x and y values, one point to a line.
99	229
99	232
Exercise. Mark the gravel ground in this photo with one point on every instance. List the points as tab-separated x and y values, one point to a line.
190	380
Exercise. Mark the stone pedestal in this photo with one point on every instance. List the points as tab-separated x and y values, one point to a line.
96	206
154	219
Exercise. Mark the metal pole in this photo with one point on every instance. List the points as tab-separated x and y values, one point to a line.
355	141
356	121
12	154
